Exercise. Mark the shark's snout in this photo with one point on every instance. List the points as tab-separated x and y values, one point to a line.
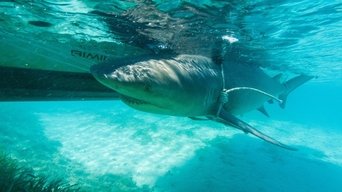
100	69
112	73
106	75
125	79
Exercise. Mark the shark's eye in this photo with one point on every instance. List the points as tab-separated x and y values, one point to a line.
147	87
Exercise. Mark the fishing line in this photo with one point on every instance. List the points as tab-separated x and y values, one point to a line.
224	96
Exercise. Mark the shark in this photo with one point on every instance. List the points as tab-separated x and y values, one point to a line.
196	86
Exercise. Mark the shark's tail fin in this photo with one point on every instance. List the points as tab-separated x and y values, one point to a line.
291	85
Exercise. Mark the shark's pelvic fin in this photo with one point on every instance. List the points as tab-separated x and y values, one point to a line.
231	120
199	118
291	85
263	111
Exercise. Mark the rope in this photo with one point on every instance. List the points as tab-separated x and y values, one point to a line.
225	93
223	97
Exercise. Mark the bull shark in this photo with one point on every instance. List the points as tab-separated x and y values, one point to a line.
196	86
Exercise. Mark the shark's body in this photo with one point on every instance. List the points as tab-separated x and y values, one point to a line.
192	86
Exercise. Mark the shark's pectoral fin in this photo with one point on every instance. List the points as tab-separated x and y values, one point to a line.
231	120
263	111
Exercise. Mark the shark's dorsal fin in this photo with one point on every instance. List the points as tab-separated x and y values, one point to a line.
277	77
228	119
217	52
263	111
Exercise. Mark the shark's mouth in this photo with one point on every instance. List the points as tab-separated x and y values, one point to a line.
133	101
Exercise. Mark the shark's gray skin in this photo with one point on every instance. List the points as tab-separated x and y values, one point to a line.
192	86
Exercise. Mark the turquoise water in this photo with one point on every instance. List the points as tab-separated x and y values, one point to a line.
107	146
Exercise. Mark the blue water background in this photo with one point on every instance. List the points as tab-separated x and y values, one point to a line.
106	146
